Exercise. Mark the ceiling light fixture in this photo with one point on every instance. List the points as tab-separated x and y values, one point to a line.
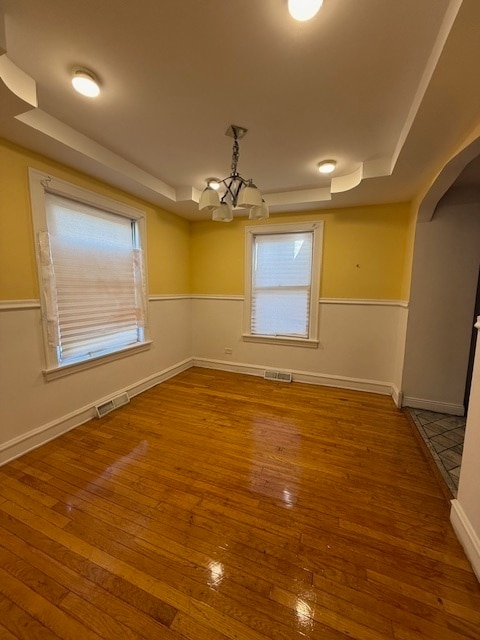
303	10
327	166
238	191
85	83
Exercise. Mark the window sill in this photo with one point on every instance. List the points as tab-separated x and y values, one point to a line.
59	371
286	341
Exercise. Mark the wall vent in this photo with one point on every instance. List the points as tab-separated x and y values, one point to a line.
279	376
110	405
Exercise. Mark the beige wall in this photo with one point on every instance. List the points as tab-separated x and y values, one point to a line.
444	283
33	410
361	344
444	280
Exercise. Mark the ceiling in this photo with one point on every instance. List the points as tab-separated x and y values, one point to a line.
385	88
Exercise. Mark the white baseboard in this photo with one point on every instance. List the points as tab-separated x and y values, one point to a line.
341	382
397	396
157	378
431	405
41	435
467	535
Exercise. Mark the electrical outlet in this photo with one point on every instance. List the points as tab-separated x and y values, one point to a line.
227	351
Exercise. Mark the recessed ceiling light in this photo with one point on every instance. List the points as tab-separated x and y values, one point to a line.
327	166
304	9
85	83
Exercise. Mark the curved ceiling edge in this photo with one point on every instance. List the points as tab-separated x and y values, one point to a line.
447	176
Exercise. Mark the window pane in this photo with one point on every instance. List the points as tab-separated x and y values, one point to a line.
281	283
281	313
282	259
97	294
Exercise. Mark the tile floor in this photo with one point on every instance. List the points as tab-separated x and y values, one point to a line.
444	435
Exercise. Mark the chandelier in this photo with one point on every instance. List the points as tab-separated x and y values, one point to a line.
237	192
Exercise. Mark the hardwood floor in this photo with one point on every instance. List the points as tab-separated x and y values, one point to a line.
220	506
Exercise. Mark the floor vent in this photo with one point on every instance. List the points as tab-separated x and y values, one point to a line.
279	376
110	405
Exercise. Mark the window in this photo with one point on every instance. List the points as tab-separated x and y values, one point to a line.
282	283
91	273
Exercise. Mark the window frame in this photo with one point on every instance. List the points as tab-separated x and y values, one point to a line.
315	227
40	184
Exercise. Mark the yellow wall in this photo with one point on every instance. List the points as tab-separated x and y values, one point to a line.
167	235
207	257
366	252
409	248
217	257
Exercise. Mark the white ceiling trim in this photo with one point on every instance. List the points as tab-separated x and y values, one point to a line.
298	197
446	178
54	128
26	111
447	24
19	83
350	181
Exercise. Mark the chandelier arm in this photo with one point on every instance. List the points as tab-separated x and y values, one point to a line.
233	184
241	183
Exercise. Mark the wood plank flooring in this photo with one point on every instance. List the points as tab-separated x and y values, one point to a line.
218	506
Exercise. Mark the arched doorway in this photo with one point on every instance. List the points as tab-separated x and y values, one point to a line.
442	310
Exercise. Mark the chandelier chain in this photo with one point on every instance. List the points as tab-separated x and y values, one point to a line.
235	156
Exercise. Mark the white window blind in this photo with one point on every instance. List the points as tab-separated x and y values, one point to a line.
281	284
96	284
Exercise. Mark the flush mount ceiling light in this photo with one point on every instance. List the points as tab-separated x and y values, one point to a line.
85	83
304	9
327	166
238	192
